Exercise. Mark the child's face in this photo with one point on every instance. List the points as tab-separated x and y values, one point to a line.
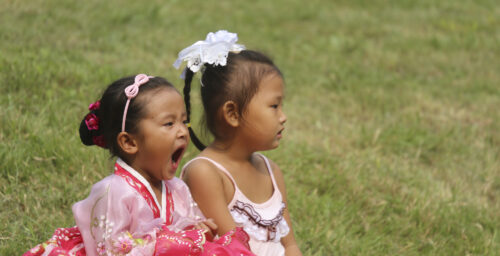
163	135
264	118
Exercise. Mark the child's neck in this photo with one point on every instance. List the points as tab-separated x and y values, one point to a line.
153	182
236	151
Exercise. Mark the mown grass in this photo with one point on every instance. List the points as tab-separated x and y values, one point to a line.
392	144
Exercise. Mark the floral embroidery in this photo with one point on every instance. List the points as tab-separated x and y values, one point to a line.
103	224
101	248
123	244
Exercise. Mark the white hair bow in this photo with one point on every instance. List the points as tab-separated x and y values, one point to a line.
213	50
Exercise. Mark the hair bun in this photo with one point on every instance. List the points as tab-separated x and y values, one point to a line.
85	133
89	128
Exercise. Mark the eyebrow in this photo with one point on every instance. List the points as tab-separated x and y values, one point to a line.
165	116
171	115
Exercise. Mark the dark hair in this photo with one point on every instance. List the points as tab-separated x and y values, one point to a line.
108	115
237	81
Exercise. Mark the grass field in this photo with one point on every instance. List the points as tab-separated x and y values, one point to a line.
392	144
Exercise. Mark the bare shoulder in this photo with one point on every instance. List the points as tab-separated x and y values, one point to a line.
201	171
207	187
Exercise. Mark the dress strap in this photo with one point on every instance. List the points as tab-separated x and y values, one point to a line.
219	166
269	169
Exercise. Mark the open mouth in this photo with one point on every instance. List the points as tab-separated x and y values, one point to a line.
280	132
176	156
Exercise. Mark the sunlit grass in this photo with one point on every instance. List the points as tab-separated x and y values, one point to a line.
392	145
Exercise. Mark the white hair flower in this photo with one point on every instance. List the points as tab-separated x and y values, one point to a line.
214	50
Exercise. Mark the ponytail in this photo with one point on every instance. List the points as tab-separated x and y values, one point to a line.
187	88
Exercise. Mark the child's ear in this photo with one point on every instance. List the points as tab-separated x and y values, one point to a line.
127	143
231	114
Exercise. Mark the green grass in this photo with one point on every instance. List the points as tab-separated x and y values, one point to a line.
392	144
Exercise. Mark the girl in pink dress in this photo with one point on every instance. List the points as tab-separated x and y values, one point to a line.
242	93
142	208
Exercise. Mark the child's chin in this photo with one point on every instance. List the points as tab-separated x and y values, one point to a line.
275	144
269	147
169	173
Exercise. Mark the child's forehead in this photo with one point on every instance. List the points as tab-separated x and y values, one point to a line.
162	102
157	94
272	83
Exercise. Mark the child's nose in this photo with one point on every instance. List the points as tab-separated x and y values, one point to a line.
283	118
183	132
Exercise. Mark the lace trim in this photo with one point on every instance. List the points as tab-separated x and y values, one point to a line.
256	219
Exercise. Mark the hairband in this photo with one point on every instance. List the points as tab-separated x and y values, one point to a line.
131	91
214	50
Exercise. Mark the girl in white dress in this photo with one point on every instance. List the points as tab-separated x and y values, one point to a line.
242	93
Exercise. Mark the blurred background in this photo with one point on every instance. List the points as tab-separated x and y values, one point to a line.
392	145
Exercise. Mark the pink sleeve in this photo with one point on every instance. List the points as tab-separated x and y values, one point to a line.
114	219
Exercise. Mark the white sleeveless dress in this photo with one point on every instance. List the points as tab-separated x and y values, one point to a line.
263	222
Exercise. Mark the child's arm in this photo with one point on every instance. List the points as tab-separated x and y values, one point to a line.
291	247
207	189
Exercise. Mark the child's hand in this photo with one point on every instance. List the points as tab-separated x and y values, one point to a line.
208	225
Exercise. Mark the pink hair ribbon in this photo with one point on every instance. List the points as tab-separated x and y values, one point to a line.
131	91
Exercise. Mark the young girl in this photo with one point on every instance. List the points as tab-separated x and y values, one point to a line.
142	208
242	93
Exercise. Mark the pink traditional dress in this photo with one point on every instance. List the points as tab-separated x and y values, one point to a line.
263	222
122	216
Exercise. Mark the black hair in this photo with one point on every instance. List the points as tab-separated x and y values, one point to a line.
108	115
237	81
